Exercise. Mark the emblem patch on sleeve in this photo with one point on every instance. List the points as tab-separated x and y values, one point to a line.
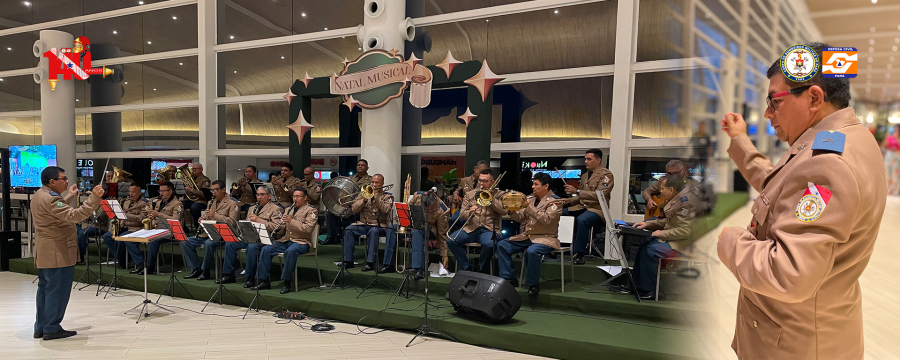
812	203
685	212
59	204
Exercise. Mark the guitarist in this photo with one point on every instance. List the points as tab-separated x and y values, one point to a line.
653	196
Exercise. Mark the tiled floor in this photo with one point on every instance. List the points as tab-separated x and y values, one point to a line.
104	331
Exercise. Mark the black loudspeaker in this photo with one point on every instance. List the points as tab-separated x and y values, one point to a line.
10	247
483	297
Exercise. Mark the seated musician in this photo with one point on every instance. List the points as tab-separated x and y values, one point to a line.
244	194
672	235
265	212
466	184
168	207
585	205
673	168
373	222
136	208
333	222
436	216
482	224
540	221
309	183
222	209
194	200
297	226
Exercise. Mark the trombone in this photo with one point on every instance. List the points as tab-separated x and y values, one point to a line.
483	198
367	192
403	230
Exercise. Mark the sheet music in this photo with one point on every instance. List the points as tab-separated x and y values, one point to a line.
147	234
263	233
117	209
179	186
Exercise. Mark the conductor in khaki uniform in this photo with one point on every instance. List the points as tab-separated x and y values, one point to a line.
541	223
56	249
813	228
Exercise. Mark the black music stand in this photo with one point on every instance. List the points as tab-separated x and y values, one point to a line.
220	233
414	218
110	209
420	221
178	235
255	233
87	272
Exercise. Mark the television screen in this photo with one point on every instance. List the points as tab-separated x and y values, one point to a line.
27	162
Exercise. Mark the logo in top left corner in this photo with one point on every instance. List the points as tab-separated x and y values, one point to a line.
70	62
839	62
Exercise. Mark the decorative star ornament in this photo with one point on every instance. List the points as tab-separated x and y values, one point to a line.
448	64
300	127
413	60
484	80
306	80
393	52
289	96
345	62
468	116
351	102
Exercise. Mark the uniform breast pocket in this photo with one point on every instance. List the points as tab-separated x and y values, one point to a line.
760	211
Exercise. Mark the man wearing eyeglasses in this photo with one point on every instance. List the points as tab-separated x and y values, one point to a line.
297	226
222	209
167	207
814	223
265	212
55	249
482	223
673	168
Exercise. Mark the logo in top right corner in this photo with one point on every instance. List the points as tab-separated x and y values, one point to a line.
839	62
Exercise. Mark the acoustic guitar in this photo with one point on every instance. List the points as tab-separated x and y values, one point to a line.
659	200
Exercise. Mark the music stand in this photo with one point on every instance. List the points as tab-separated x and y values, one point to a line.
615	242
412	217
220	232
178	234
255	233
145	236
114	211
179	187
122	190
420	222
88	272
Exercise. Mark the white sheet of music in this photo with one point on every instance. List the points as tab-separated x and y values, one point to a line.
263	233
147	234
117	208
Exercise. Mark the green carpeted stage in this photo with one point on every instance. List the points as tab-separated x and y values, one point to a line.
571	325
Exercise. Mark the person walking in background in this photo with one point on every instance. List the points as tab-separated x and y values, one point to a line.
890	146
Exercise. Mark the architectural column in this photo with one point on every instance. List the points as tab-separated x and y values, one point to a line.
206	78
106	128
349	136
57	106
412	116
478	133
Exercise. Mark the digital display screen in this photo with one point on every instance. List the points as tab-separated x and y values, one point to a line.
27	162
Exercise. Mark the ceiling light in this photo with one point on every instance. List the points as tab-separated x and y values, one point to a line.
154	89
890	66
140	3
149	42
887	76
9	48
1	79
126	83
231	37
180	63
326	28
894	47
115	32
870	118
870	59
303	14
235	71
556	11
282	58
487	20
174	18
868	82
874	1
892	57
359	49
871	49
76	100
26	3
897	39
872	29
868	67
867	90
868	76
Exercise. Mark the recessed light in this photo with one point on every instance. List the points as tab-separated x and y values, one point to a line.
888	75
180	63
890	66
894	48
115	32
326	28
76	100
231	37
487	20
9	48
874	1
892	57
871	49
303	14
556	11
868	67
140	3
154	89
871	41
126	83
872	29
174	18
235	71
282	58
26	3
870	59
868	82
868	90
1	79
149	42
359	49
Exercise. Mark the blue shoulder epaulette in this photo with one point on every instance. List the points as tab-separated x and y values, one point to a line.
556	196
311	205
444	207
54	193
420	193
387	193
684	199
830	140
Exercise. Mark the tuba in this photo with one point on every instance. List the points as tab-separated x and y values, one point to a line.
119	175
185	171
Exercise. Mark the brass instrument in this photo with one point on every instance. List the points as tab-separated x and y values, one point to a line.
200	226
119	175
514	201
283	184
163	174
402	229
483	198
367	192
147	222
239	184
185	171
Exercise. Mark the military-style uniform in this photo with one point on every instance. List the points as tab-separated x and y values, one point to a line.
467	184
196	207
676	236
437	220
245	194
813	230
313	190
361	179
226	211
373	221
295	242
171	209
540	220
585	207
333	221
285	198
653	189
269	215
55	254
482	225
136	212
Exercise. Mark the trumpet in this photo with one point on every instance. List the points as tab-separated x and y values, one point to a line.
367	192
483	198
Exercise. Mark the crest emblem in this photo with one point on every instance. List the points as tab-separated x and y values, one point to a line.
810	208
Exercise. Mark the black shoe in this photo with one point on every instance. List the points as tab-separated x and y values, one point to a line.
263	285
197	272
226	279
420	274
285	287
386	269
579	259
61	334
204	276
651	295
149	272
621	289
514	282
138	269
368	267
249	284
348	265
534	290
38	335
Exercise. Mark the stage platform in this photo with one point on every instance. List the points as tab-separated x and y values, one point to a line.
571	325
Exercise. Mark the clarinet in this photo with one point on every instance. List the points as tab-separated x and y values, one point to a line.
200	226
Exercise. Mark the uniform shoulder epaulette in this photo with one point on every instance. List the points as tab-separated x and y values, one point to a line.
387	193
54	193
311	205
556	196
420	193
684	199
830	140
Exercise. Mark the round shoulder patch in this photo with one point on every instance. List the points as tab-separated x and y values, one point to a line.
799	63
809	209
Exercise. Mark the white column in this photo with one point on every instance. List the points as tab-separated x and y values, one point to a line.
622	105
724	168
382	128
58	106
206	67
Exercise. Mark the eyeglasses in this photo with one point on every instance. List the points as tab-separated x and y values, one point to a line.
770	99
299	196
64	178
261	194
672	172
214	189
167	190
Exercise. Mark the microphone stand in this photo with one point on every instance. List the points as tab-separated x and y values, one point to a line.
343	273
376	240
256	288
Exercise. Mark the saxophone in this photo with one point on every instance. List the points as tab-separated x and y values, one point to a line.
147	222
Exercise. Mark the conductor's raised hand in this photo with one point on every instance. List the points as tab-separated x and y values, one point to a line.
734	125
73	189
97	191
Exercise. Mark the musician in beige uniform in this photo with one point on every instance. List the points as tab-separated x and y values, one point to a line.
194	200
540	236
585	205
466	184
482	226
244	194
334	222
374	215
56	249
136	209
285	185
265	212
814	224
167	207
672	235
222	209
296	227
436	215
673	168
309	183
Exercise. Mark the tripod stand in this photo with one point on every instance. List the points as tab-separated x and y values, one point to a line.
173	280
256	288
425	329
343	273
143	305
87	264
221	290
113	283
